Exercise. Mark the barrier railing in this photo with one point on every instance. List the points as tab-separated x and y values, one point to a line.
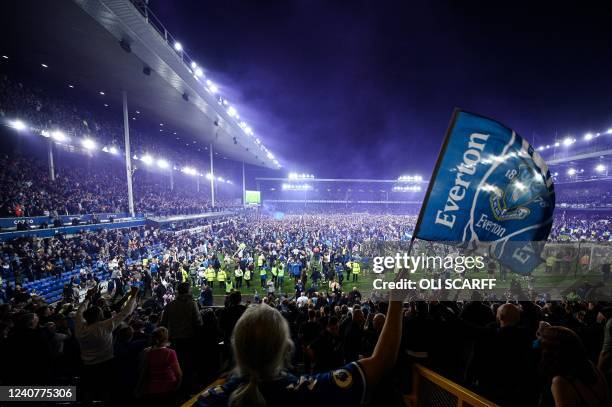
432	389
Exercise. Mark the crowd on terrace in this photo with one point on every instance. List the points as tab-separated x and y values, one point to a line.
147	308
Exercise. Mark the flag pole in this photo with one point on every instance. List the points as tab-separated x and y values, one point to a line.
434	174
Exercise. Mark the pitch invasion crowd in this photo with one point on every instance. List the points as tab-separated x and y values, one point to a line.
145	338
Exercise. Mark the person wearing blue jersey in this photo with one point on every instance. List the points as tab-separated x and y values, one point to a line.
262	346
296	270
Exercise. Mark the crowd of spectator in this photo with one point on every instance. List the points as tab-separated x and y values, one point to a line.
569	226
148	339
170	318
82	187
44	108
584	195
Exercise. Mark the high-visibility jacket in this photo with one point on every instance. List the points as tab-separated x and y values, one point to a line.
228	286
281	270
263	272
274	271
238	272
210	274
260	260
247	274
221	276
356	267
185	275
550	261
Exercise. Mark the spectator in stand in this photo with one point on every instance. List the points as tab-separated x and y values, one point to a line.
95	336
182	319
262	344
160	372
572	378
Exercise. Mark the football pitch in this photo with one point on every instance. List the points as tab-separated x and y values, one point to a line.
539	282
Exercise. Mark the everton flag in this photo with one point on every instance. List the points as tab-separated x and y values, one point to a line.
489	190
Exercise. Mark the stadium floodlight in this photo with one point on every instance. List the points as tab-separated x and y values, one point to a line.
270	156
568	141
547	146
208	175
600	168
248	131
161	163
44	65
292	175
588	136
178	46
211	86
105	149
102	93
199	72
571	172
557	144
555	174
220	179
193	65
59	136
231	111
189	170
135	157
5	57
147	159
88	144
609	131
540	148
18	125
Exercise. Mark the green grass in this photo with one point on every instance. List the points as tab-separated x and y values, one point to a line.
541	281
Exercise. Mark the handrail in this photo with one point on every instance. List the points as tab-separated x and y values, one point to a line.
464	396
156	23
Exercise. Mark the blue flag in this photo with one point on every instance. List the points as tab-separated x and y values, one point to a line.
490	189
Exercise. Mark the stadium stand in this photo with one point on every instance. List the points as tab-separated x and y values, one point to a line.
174	306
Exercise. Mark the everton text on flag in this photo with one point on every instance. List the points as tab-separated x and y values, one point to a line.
490	189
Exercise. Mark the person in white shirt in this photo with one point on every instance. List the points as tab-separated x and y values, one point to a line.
95	337
302	300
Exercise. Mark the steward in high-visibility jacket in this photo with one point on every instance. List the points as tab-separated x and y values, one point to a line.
263	276
260	260
209	275
247	277
280	274
238	273
229	286
221	277
356	269
185	275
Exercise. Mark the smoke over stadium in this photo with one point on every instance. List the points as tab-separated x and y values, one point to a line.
296	203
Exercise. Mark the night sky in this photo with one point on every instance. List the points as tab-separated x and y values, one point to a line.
366	88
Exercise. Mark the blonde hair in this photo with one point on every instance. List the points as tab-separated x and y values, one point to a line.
262	345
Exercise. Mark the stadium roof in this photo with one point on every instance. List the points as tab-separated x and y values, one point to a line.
80	43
